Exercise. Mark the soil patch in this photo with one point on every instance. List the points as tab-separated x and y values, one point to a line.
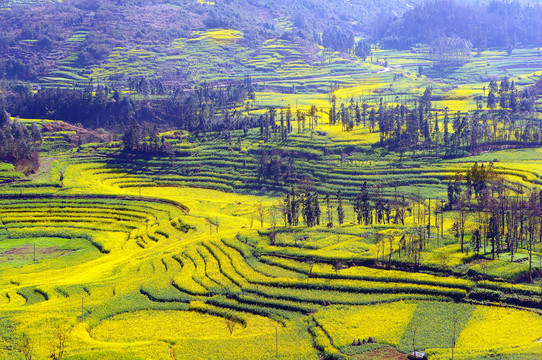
20	252
81	135
389	353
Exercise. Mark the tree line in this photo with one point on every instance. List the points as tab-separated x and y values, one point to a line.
204	108
339	40
419	126
484	24
370	206
490	216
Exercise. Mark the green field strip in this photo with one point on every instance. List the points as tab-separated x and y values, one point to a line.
212	270
433	324
199	275
184	281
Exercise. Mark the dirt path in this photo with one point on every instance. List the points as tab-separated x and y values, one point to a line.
388	353
44	169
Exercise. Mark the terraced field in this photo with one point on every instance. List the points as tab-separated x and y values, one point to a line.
209	280
132	261
248	243
332	159
8	173
215	55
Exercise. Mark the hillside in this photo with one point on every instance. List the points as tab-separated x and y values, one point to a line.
59	43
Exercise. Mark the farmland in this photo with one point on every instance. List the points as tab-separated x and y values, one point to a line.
161	257
186	257
139	258
266	179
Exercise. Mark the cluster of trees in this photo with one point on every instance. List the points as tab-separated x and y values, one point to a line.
203	109
16	69
445	50
145	140
420	127
363	49
18	144
208	109
499	217
146	87
334	38
504	219
506	96
277	126
305	203
377	209
278	167
370	206
338	40
101	108
484	24
368	209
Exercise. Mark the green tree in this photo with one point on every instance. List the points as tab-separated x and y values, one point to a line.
4	118
340	209
363	49
491	100
329	210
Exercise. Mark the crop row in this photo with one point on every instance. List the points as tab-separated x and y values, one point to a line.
223	275
363	273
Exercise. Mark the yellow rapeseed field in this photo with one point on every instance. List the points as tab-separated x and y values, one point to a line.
384	322
490	328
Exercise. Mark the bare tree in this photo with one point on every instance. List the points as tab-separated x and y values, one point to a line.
455	320
230	324
337	265
261	213
462	215
391	240
285	210
60	335
311	263
210	222
413	332
274	214
25	347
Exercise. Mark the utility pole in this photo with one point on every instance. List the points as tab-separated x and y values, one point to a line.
34	251
429	222
277	341
82	308
442	221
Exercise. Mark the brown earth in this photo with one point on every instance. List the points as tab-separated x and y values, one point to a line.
17	253
388	353
83	134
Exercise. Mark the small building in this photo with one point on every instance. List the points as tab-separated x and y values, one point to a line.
417	355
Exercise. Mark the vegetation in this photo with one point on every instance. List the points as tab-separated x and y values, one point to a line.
261	179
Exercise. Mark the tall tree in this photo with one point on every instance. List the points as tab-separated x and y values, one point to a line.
340	209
